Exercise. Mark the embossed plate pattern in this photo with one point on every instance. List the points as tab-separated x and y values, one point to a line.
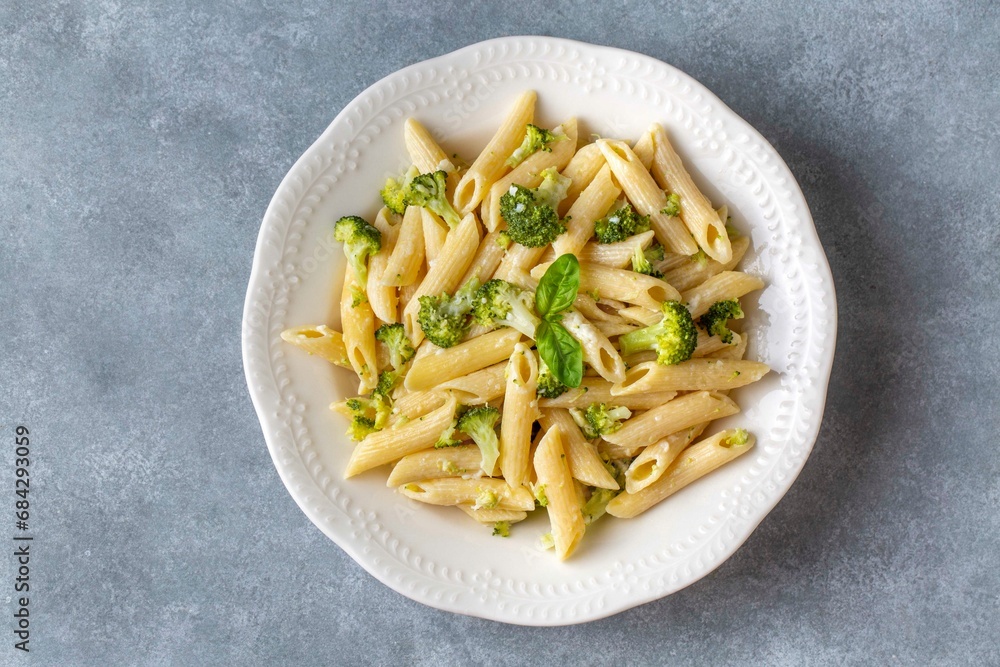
436	555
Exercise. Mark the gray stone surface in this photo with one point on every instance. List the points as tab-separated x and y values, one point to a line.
139	146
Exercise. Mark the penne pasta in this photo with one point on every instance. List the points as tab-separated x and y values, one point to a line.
435	235
598	390
435	463
690	375
442	365
384	299
681	413
693	272
697	461
597	349
616	255
697	213
582	168
588	207
621	285
390	444
564	502
720	287
358	320
482	493
520	410
653	461
408	252
528	174
646	196
585	463
320	340
487	259
444	273
490	165
494	515
479	387
425	153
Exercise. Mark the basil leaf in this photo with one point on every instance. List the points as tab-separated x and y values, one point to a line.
560	352
557	289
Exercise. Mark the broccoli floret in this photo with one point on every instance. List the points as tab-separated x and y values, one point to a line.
540	497
498	303
503	240
444	319
673	207
394	192
501	529
715	320
429	191
640	263
486	499
447	437
597	505
360	240
620	225
535	139
737	439
377	408
700	258
387	381
479	424
549	385
531	215
600	419
654	253
400	348
360	428
674	337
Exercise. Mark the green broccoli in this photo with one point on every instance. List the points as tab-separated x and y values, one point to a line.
700	258
716	319
360	428
501	529
597	505
400	348
549	385
673	207
447	437
600	419
479	424
531	215
540	497
620	225
394	192
444	319
498	303
360	241
387	381
737	439
377	407
674	337
486	499
640	263
655	253
429	191
535	139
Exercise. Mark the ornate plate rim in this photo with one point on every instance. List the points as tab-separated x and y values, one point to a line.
266	397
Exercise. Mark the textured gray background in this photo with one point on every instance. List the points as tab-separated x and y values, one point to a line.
139	146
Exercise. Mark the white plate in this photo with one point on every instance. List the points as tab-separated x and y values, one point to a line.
436	555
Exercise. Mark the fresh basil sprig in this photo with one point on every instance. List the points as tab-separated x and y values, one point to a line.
555	293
